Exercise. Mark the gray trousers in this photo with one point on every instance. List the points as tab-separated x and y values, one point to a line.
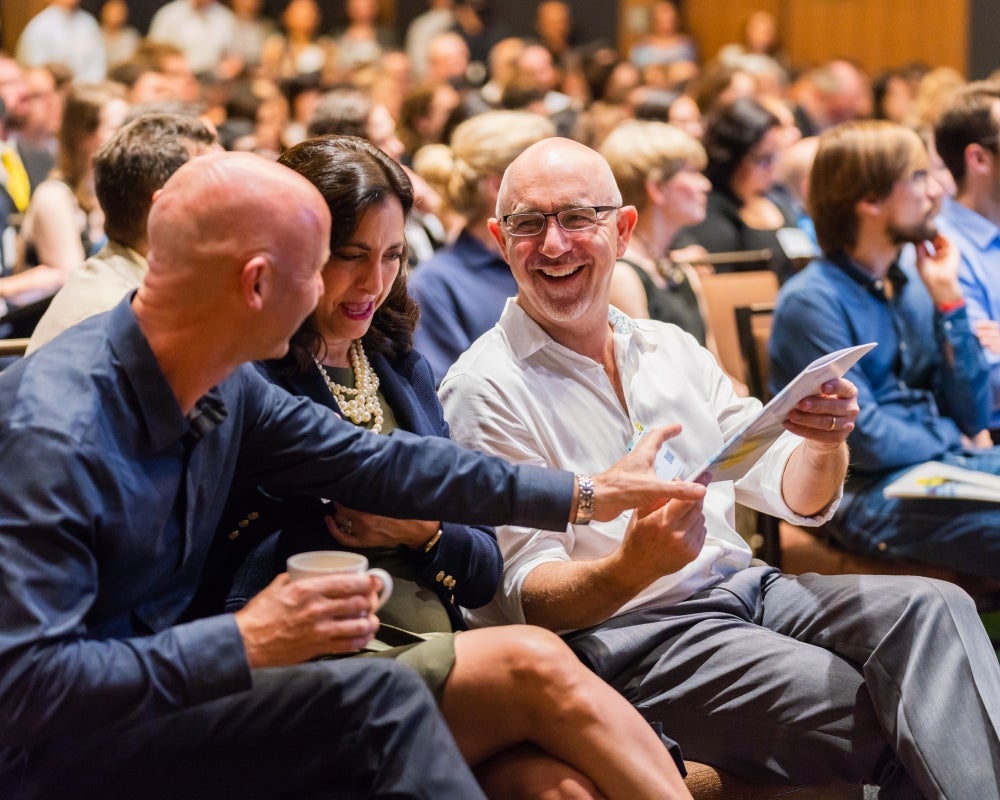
351	728
883	679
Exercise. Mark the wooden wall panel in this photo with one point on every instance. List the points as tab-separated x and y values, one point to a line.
15	15
881	34
715	23
876	33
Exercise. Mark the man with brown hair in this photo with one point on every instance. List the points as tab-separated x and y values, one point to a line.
923	391
128	171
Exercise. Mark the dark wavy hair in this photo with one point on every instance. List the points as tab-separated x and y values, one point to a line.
353	175
731	132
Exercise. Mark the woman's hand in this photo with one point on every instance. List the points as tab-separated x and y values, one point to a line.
358	529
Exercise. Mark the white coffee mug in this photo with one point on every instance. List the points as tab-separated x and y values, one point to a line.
324	562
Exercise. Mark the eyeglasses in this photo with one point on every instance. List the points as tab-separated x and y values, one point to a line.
989	141
571	220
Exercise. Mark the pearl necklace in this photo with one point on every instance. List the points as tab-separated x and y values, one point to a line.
359	403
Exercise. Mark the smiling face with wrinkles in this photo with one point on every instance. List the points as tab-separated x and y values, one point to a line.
563	277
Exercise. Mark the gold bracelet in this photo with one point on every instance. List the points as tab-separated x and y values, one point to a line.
429	544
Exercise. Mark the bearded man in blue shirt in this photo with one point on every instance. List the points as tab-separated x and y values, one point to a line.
923	391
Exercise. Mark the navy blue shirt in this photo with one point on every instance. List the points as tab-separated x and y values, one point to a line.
461	292
919	390
110	497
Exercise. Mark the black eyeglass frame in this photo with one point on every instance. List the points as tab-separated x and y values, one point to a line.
504	220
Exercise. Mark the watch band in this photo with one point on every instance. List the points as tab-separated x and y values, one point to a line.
585	499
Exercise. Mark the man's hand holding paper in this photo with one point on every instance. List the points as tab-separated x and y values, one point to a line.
828	417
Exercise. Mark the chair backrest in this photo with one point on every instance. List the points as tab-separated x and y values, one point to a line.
11	351
736	260
722	293
21	321
13	347
753	329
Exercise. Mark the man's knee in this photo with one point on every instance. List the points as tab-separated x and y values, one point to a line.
925	596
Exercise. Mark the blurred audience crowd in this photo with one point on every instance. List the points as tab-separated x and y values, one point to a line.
712	158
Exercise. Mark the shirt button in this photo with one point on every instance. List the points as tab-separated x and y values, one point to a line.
253	515
439	577
243	523
233	535
882	546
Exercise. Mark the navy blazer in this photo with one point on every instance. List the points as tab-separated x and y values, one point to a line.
465	566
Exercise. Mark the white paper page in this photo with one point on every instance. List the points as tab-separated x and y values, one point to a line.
933	479
734	459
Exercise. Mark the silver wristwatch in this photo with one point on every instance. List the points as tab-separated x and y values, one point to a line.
585	499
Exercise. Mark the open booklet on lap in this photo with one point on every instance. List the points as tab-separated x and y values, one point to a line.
934	479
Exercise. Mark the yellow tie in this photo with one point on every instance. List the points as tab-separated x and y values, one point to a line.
18	185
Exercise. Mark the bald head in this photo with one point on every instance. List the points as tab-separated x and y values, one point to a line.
223	209
236	245
556	165
563	266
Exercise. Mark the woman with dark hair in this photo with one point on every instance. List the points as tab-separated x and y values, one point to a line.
526	714
743	140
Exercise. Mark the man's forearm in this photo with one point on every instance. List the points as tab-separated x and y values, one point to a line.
813	476
569	595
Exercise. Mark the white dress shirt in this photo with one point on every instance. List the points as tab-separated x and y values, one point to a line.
519	394
206	35
69	37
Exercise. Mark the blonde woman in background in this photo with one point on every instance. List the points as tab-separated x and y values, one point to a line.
658	168
64	225
462	289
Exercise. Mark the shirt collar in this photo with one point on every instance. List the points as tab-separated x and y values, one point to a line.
973	225
876	286
526	336
123	260
157	404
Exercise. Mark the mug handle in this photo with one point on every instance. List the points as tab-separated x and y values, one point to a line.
386	579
